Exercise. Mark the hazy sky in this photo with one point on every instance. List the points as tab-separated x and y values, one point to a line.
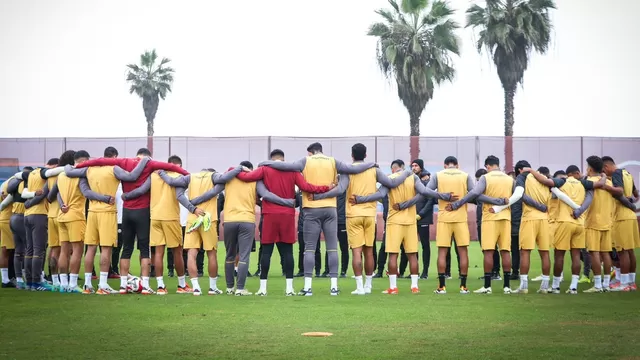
296	68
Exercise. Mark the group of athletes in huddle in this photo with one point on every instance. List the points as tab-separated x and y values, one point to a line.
567	212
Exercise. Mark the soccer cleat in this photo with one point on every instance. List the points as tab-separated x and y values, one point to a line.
106	291
507	291
495	277
584	280
520	291
391	291
334	292
537	278
162	291
616	287
464	290
197	292
122	290
544	291
483	290
415	290
554	291
593	290
114	275
184	290
243	292
230	291
621	288
62	290
633	287
290	293
20	285
88	290
572	291
206	222
605	289
147	291
44	286
367	290
358	292
306	292
75	290
196	224
8	285
261	293
215	291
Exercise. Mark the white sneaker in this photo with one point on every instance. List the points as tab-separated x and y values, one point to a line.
367	290
572	291
290	293
537	278
243	292
483	290
230	291
544	291
261	293
554	291
520	291
197	292
215	291
593	290
358	292
507	291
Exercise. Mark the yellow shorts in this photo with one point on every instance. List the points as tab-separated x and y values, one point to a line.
72	231
361	231
598	240
625	234
569	236
405	235
207	239
102	229
534	232
553	226
494	233
6	236
459	230
54	232
166	232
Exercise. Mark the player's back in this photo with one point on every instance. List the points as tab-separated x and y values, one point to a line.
539	193
319	169
499	185
164	205
200	183
577	193
602	209
361	185
402	193
281	183
54	207
102	180
240	201
18	207
72	197
623	212
36	182
452	181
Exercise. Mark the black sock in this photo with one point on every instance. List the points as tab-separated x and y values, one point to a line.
507	276
487	280
463	281
441	279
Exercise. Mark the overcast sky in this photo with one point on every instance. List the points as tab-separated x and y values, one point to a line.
292	67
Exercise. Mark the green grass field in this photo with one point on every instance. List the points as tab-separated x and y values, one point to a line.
453	326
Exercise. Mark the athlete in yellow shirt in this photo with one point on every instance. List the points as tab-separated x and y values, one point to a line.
7	244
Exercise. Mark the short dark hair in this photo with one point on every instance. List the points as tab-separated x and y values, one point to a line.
492	160
247	164
110	152
451	160
27	168
358	151
276	152
398	162
558	173
480	172
81	154
608	159
314	148
544	171
67	158
572	169
53	161
174	159
596	163
521	165
143	152
211	169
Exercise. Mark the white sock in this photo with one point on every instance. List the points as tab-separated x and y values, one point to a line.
597	280
19	279
103	284
524	281
574	281
235	268
556	282
618	274
145	282
42	277
213	283
632	278
194	284
56	279
73	281
5	275
307	283
263	285
624	279
561	276
367	281
87	280
182	281
359	285
160	281
606	281
289	285
64	280
414	281
545	282
123	281
392	281
334	283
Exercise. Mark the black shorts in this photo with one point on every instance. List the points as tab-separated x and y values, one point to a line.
135	226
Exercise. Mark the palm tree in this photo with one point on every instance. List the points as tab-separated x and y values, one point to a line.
151	81
415	43
509	31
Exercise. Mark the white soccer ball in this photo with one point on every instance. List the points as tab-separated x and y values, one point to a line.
134	285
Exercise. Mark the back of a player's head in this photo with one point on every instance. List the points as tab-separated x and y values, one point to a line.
211	170
314	148
608	159
559	173
544	171
81	155
53	162
247	164
143	152
397	164
451	161
480	172
277	154
572	170
358	152
27	168
110	152
67	158
595	163
175	159
492	161
521	165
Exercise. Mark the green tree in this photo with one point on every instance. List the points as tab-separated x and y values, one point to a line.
509	30
151	81
416	41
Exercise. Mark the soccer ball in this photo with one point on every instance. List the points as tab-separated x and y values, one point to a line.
134	285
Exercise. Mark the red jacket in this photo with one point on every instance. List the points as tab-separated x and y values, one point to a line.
128	164
281	183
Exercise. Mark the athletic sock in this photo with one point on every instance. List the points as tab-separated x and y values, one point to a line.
597	280
289	283
441	280
624	279
606	281
213	283
368	279
359	283
524	281
414	281
5	275
103	280
307	283
181	281
42	277
506	279
123	281
263	285
544	284
487	280
632	278
556	282
334	282
618	274
392	281
64	281
73	281
194	284
574	281
145	282
463	281
160	281
55	278
87	280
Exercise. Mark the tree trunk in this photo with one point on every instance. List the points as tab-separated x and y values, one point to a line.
150	107
509	93
150	135
414	140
